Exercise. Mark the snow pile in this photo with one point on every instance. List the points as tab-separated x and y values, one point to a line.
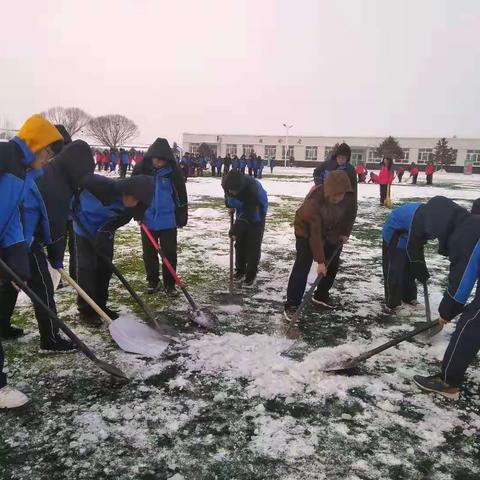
257	358
206	213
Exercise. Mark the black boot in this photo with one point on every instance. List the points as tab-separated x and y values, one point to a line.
11	333
57	345
171	291
152	288
91	318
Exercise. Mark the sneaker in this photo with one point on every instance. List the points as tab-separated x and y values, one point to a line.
11	333
249	280
57	345
113	314
322	301
171	291
289	311
91	318
412	305
238	276
153	289
11	398
400	311
436	385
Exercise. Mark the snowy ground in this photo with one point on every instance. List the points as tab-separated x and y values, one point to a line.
226	405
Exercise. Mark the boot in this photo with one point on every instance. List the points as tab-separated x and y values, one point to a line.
91	318
11	333
57	345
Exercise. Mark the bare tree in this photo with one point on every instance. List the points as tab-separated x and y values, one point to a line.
72	118
112	130
6	129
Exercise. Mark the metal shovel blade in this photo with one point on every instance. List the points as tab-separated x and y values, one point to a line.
427	336
344	366
204	317
111	369
136	337
160	325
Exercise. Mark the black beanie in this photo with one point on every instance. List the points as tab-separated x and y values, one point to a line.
344	150
234	182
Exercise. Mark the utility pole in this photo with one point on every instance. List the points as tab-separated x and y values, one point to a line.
287	130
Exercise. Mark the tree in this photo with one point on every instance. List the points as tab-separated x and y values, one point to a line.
112	130
176	150
6	129
389	148
205	151
443	154
72	118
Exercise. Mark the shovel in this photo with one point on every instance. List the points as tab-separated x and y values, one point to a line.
426	336
227	298
107	367
355	361
130	335
388	201
203	317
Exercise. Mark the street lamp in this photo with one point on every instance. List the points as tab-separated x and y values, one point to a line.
287	130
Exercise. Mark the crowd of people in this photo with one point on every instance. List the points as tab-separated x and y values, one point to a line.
51	198
110	160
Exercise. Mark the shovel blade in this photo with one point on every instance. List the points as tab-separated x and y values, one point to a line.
111	369
204	317
135	337
344	366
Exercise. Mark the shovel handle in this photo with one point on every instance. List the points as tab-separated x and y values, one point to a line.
231	256
428	312
65	276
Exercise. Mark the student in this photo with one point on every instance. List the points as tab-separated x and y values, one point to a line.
124	160
235	163
243	163
227	162
102	206
429	170
31	148
413	173
260	167
400	172
98	159
385	178
250	161
462	247
323	223
213	165
398	275
272	164
218	164
361	172
106	160
168	212
45	210
249	200
113	160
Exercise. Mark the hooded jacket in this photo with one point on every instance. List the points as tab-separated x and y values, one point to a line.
99	210
169	207
399	222
319	220
48	195
250	199
15	156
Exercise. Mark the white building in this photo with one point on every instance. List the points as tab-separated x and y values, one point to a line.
311	150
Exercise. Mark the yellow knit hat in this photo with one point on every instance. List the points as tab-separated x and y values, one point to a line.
37	132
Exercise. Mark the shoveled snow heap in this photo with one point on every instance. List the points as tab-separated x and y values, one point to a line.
257	358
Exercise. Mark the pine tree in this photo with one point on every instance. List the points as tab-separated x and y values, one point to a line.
389	148
443	154
205	151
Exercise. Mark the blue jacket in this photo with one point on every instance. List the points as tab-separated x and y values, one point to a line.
161	213
400	220
124	158
251	204
218	163
243	163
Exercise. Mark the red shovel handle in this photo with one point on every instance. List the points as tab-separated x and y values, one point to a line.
155	244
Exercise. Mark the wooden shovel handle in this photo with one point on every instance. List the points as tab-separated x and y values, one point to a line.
65	276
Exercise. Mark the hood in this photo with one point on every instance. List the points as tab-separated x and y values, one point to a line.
139	186
234	181
75	161
343	149
442	216
37	133
59	144
337	182
161	149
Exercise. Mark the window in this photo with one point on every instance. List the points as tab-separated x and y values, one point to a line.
311	153
247	150
356	157
473	156
270	151
289	151
373	157
194	148
231	149
425	155
328	151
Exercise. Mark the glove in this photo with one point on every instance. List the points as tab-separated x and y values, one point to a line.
237	229
16	257
420	272
57	264
181	216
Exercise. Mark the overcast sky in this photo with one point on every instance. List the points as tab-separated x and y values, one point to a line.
329	67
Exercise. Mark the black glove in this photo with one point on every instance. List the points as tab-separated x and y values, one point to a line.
181	216
420	272
104	243
16	257
238	228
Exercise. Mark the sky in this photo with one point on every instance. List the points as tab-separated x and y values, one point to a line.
329	67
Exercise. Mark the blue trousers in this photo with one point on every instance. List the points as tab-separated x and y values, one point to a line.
3	377
464	345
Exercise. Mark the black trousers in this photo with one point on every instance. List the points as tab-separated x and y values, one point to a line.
398	280
383	193
301	268
3	376
41	284
399	175
226	169
414	179
167	240
429	179
464	345
250	171
248	249
93	273
123	170
214	170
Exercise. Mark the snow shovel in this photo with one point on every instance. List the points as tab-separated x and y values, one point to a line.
388	201
128	334
227	298
203	317
354	362
107	367
293	332
153	319
425	337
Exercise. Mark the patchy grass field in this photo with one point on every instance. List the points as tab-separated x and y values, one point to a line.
226	405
